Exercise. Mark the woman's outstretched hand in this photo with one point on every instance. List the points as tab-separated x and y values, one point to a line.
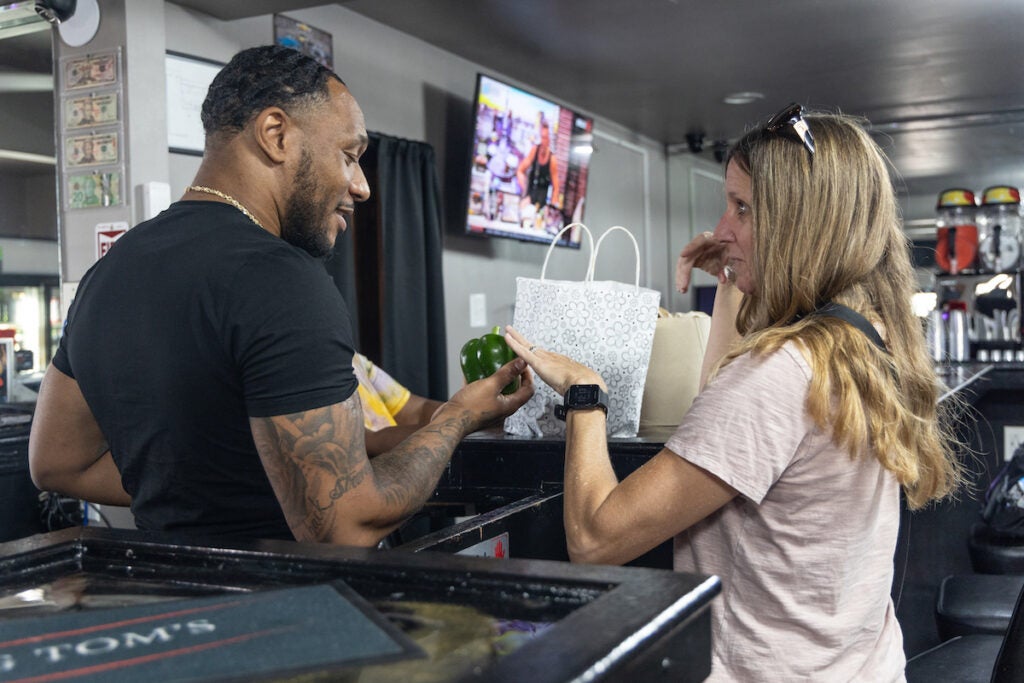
706	253
558	372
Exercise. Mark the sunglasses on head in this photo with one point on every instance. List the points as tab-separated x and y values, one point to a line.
790	123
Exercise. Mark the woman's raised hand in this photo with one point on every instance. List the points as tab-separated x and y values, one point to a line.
558	372
704	252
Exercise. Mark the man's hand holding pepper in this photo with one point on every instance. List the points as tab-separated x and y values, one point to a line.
483	402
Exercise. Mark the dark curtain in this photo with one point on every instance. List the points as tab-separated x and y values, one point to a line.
389	269
341	267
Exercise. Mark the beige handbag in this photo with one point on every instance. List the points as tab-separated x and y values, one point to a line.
673	374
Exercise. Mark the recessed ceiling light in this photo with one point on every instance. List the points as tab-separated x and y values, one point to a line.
745	97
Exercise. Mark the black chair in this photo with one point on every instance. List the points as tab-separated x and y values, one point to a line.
976	604
975	658
991	552
994	554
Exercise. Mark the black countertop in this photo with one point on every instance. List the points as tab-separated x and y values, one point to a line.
959	377
493	459
600	623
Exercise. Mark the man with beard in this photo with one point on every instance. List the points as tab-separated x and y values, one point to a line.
205	373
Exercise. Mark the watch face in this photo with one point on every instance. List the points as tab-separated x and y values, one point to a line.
582	396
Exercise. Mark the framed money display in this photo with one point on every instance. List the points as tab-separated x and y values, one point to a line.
85	110
93	188
92	130
92	149
91	71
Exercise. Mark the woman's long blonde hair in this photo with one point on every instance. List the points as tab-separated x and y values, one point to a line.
826	227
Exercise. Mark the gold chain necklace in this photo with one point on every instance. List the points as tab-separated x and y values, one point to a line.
226	197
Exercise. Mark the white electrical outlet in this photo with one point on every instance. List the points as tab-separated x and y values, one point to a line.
1012	438
478	310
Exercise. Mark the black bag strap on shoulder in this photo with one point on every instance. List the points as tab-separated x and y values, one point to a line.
851	316
1003	507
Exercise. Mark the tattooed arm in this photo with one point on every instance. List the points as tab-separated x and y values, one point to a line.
330	491
416	413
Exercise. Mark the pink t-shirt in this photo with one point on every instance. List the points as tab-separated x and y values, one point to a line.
805	552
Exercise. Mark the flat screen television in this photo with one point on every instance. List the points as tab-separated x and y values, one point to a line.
530	157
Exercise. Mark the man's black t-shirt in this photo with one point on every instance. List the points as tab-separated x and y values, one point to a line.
191	323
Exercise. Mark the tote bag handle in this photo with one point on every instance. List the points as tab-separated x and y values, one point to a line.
597	249
554	243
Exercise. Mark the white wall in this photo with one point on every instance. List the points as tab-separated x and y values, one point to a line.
696	201
410	89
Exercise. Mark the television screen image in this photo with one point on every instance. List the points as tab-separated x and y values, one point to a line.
529	165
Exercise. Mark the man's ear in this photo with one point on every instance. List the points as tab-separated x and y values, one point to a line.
274	132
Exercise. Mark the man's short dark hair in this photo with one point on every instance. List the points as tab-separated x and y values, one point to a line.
261	77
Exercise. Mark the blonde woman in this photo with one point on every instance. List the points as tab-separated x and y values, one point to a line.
819	405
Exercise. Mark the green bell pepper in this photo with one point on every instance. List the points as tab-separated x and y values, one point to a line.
481	357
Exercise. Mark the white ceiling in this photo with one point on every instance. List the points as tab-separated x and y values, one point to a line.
941	81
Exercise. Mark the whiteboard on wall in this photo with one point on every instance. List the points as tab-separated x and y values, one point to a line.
188	79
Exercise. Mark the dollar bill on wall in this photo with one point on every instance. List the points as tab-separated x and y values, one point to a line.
97	109
94	149
90	71
96	188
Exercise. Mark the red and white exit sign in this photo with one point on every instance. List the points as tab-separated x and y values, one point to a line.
107	234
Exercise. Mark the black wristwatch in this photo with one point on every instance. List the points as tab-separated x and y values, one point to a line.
582	397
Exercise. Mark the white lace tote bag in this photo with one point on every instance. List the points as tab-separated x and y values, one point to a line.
604	324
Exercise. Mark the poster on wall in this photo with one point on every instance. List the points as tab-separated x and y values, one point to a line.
94	109
188	80
308	40
94	188
91	71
